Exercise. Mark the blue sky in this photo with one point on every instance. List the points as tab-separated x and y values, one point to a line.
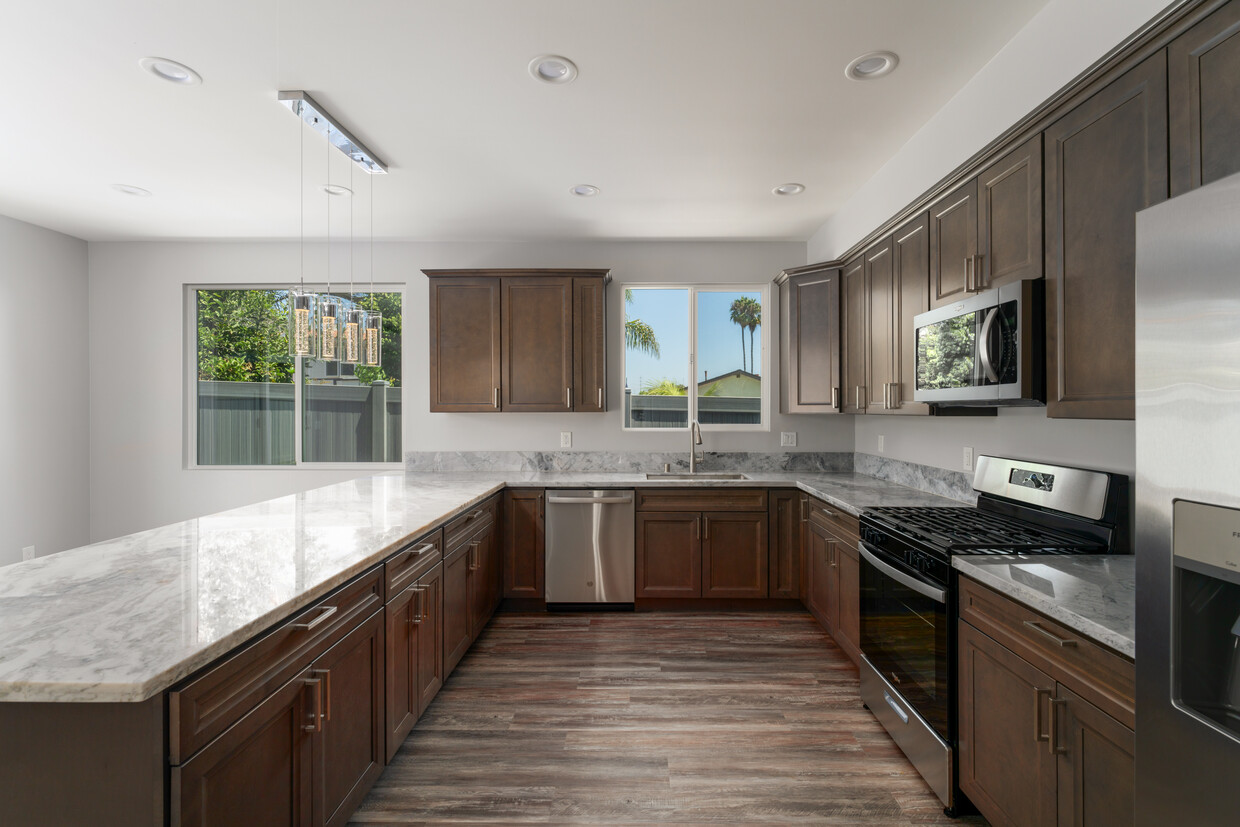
667	312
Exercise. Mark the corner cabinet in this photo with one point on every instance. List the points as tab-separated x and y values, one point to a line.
810	344
517	341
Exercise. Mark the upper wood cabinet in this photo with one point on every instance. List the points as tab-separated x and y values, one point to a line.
1105	160
1203	71
953	244
810	311
853	356
517	340
910	294
880	326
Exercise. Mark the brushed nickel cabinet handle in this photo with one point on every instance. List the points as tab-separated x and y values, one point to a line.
706	528
326	705
804	503
416	617
979	280
1038	735
886	396
600	398
422	549
568	397
496	403
1037	627
1055	705
968	274
317	714
895	395
697	528
324	613
473	555
835	397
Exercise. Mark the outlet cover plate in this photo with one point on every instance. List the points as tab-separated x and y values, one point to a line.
566	439
788	439
968	458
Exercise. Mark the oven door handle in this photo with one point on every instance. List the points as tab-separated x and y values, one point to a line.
922	588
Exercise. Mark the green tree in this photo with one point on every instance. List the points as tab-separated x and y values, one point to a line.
736	313
945	354
746	312
664	387
243	336
638	335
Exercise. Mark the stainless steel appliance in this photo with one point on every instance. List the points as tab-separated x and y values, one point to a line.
985	350
589	542
1188	523
908	589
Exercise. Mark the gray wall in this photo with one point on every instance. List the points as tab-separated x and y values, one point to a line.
44	485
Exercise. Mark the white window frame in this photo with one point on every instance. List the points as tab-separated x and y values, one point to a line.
190	429
765	338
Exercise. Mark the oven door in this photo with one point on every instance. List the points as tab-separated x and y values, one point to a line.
904	633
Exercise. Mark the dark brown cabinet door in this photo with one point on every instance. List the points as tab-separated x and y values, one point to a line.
1009	228
1097	772
734	554
524	543
481	566
1006	765
465	344
258	773
402	639
430	672
349	750
819	547
910	247
880	332
1105	160
848	576
669	554
537	353
785	544
953	245
854	355
1203	70
589	346
456	580
812	379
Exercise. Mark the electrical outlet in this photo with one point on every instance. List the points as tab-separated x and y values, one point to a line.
28	553
788	439
968	458
566	439
882	443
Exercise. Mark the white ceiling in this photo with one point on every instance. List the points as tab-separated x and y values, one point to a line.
686	113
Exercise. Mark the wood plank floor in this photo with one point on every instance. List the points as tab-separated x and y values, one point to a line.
651	718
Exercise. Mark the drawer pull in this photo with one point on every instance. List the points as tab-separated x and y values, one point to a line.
1055	704
317	714
1038	735
327	692
422	549
324	613
1037	627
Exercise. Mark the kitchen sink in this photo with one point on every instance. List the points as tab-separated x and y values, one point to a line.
698	476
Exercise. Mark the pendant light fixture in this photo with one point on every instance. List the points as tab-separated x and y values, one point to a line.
329	305
354	316
302	304
372	332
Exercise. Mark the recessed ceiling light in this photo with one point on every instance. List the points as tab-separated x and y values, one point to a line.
789	189
171	71
872	65
336	189
585	190
553	69
129	189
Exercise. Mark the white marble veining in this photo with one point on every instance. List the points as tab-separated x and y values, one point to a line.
125	619
1094	594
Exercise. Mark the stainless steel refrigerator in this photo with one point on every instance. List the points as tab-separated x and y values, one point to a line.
1188	508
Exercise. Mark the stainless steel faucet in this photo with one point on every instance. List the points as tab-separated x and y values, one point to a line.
695	439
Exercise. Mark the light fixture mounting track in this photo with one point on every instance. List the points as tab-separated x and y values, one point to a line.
321	121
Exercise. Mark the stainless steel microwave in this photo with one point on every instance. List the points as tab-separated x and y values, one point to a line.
985	350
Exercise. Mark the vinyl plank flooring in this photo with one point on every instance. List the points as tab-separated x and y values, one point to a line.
651	718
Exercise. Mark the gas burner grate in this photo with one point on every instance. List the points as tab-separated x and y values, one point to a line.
969	530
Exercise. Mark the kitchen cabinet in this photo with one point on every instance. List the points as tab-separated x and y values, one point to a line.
988	231
1046	718
879	326
810	344
784	521
897	289
524	543
1104	160
471	586
669	554
414	666
853	356
1203	74
517	340
832	573
734	554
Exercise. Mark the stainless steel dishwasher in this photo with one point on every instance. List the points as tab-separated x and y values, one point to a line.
589	561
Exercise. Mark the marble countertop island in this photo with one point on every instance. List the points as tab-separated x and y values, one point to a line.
1093	594
123	620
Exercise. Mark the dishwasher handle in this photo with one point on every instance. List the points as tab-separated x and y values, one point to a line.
590	500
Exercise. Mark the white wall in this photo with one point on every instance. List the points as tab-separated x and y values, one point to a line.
43	405
138	477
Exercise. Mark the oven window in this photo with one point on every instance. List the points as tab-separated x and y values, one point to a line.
904	634
946	353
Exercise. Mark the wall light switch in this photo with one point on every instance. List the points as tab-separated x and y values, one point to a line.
882	443
788	439
566	439
28	553
968	458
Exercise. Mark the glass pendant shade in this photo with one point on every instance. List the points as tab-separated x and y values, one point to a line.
330	316
351	339
301	322
372	339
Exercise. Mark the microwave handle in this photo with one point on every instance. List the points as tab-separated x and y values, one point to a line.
984	348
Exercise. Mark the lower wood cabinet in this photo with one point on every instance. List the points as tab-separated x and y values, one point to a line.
669	554
414	654
784	545
832	574
734	554
1032	750
524	550
471	586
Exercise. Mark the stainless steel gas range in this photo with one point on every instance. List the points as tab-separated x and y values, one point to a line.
908	589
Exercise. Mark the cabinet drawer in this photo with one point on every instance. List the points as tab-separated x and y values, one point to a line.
702	499
411	562
464	525
211	702
840	523
1099	675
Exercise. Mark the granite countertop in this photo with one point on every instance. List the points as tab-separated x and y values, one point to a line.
123	620
1094	594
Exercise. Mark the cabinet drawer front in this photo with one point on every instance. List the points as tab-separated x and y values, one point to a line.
465	525
210	703
698	499
840	523
1099	675
411	562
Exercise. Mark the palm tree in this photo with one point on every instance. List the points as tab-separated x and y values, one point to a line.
753	320
638	335
664	387
737	314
